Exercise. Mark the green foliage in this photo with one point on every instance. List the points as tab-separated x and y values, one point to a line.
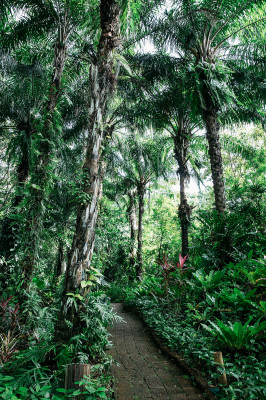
207	282
115	292
210	58
37	368
235	336
91	390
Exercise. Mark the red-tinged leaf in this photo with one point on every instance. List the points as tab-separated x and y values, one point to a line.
16	308
182	260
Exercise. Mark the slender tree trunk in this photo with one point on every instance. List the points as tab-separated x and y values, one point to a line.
141	193
181	143
212	133
102	87
7	236
9	227
23	169
184	213
133	228
59	266
39	178
161	244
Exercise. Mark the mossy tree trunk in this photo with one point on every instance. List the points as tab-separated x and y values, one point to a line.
103	80
210	117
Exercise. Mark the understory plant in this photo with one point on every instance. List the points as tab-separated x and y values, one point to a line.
36	370
235	336
220	310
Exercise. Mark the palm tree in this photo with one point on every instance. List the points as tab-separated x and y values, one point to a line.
22	87
152	101
139	162
104	71
201	34
43	19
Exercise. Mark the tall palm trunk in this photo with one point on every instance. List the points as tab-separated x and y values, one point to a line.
181	143
39	178
133	228
141	193
102	85
210	115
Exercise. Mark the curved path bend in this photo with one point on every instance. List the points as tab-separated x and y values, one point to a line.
143	372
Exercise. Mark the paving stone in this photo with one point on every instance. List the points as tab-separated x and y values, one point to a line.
144	373
180	396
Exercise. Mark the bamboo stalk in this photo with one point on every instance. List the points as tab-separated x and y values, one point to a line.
218	359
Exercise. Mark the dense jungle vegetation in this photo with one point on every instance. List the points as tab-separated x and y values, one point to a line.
132	169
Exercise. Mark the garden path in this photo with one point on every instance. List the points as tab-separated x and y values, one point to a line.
144	373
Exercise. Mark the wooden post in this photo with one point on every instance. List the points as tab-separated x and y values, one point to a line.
75	373
218	359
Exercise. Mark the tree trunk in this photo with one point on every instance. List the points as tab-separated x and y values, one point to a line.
102	87
141	193
133	228
7	235
23	169
59	266
39	178
181	143
75	373
184	213
212	133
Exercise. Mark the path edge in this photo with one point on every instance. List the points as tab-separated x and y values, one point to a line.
200	381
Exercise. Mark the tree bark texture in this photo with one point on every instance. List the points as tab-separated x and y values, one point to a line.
215	154
102	87
181	144
75	373
39	178
141	193
133	227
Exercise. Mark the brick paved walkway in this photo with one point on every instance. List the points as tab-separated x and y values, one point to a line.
144	373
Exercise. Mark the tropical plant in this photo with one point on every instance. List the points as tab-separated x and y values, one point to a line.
159	108
9	315
8	346
201	34
235	336
137	164
207	282
238	298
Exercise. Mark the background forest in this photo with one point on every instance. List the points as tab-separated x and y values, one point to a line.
132	169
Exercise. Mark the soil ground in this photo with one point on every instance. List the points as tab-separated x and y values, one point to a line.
143	372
